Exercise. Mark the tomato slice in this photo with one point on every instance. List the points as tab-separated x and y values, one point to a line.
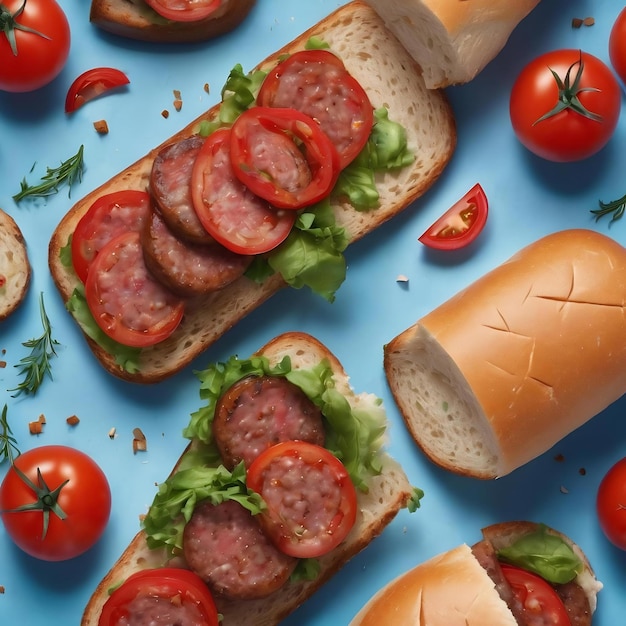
162	595
317	83
91	84
536	595
184	10
460	224
235	217
311	501
127	303
109	216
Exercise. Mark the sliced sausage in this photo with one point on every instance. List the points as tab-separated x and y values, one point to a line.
576	602
226	547
188	269
257	412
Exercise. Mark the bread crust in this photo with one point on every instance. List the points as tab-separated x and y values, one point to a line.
15	269
391	79
509	366
388	493
452	40
134	19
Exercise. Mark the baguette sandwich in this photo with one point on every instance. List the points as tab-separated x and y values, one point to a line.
519	574
15	270
151	21
506	368
259	594
452	40
401	111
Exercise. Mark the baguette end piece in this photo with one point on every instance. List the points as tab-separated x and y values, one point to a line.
15	269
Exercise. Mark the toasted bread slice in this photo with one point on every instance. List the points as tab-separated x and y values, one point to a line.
388	493
15	270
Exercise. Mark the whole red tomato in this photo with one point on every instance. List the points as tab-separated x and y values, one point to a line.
55	502
34	44
611	504
565	105
617	45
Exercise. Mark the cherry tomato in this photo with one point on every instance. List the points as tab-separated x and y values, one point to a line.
617	45
460	224
565	105
311	501
283	156
109	216
91	84
128	304
317	83
228	210
41	45
537	596
185	10
72	498
611	504
167	595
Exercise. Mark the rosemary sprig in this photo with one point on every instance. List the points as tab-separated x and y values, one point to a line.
8	443
37	364
615	209
70	171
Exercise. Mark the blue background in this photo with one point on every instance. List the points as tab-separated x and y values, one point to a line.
528	198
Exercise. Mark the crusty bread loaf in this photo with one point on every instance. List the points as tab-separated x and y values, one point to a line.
136	20
391	79
453	589
388	493
452	40
15	270
506	368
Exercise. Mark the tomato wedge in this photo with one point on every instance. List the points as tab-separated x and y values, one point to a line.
109	216
311	501
184	10
128	304
228	210
91	84
460	224
163	595
536	595
283	156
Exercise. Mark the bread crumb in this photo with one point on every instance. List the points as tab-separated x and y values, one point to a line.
3	364
139	441
176	93
401	278
582	471
178	104
165	113
72	420
36	427
207	88
101	126
112	433
564	489
577	22
560	458
1	588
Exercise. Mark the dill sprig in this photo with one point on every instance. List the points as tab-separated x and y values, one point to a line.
70	171
36	365
8	443
615	209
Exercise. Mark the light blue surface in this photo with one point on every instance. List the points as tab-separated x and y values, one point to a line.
528	198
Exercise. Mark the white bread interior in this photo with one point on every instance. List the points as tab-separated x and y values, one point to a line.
392	79
507	367
388	493
452	40
15	269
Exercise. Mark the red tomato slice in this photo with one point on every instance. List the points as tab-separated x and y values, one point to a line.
127	303
91	84
460	224
163	595
185	10
109	216
234	216
311	501
316	83
283	156
536	595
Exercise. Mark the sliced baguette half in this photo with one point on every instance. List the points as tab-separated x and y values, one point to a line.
391	79
388	493
15	269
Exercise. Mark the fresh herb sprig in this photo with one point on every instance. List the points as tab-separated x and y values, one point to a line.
615	209
70	172
36	365
8	443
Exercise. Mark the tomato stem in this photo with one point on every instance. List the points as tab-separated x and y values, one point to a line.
9	24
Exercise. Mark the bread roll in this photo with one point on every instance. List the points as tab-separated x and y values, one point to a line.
15	270
453	40
506	368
